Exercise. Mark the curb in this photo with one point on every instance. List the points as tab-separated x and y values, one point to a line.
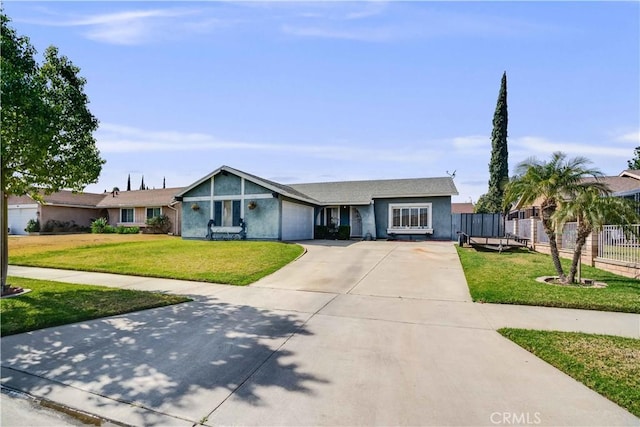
82	416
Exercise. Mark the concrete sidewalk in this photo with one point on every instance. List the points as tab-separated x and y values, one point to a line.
373	333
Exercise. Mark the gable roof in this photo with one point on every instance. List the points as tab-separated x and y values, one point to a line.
285	190
631	173
61	198
459	208
139	198
363	192
346	192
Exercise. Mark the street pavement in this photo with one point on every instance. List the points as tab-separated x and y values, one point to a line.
352	333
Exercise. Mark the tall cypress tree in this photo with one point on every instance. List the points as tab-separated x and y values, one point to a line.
129	182
499	164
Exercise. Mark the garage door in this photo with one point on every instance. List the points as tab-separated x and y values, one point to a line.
297	221
19	216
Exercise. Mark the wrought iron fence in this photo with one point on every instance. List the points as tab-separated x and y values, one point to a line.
620	243
569	235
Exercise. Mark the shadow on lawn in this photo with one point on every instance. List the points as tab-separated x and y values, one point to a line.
182	360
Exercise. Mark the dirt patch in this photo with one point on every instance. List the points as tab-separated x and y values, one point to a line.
584	283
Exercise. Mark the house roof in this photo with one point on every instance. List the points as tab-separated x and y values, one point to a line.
137	198
628	182
345	192
632	173
285	190
363	192
61	198
459	208
620	183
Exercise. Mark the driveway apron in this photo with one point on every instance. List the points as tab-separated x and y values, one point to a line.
366	333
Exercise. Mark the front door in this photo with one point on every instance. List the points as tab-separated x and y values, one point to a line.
356	223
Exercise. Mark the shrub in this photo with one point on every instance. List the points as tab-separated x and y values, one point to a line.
344	232
321	232
99	225
33	226
159	224
127	230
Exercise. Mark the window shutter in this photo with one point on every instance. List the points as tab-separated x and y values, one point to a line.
217	213
236	213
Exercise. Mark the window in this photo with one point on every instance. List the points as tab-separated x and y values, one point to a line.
410	216
126	215
153	212
332	217
227	213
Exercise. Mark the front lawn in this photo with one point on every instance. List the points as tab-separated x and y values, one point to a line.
606	364
510	278
56	303
232	262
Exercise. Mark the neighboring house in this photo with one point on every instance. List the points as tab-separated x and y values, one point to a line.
626	185
133	208
272	211
128	208
63	206
462	208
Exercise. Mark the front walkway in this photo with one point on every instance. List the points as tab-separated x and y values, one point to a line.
371	333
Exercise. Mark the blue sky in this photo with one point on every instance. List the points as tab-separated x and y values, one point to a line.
326	91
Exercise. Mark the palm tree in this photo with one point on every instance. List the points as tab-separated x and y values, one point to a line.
592	209
552	183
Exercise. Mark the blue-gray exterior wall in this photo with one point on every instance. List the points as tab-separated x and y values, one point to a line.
194	222
440	211
226	185
263	222
204	189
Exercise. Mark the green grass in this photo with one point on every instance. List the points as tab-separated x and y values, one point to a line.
56	303
509	278
232	262
606	364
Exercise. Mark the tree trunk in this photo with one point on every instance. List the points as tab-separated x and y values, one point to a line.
4	237
581	239
553	245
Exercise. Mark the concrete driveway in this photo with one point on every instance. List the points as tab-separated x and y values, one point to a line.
367	333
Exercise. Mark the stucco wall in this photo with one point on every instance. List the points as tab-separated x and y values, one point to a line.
81	216
263	222
204	189
194	222
253	188
226	185
440	211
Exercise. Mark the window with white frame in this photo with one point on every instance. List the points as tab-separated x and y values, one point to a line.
410	216
153	212
126	215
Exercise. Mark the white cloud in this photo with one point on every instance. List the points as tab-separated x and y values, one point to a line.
357	34
533	144
471	143
633	137
135	26
114	138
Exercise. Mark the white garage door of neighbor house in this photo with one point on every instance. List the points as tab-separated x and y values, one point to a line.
297	221
18	218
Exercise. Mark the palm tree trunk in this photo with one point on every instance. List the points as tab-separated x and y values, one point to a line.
553	246
577	254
